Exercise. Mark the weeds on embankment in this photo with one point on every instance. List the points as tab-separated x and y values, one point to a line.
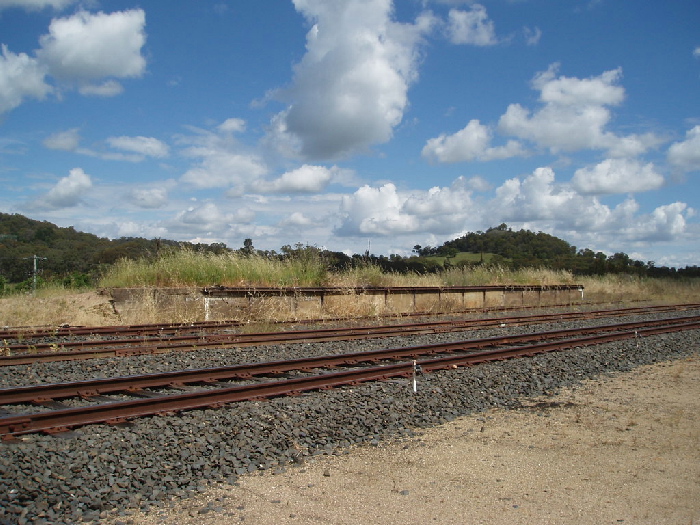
55	305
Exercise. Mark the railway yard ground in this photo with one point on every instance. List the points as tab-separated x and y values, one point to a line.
619	450
590	433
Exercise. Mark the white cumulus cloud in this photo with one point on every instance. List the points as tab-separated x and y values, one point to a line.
68	191
666	223
21	76
686	154
574	115
384	211
82	50
471	27
375	211
148	198
617	176
306	179
350	89
473	142
87	46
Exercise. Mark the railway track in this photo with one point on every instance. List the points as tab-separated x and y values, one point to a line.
156	339
407	361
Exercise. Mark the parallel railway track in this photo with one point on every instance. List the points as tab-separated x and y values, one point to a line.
156	339
424	356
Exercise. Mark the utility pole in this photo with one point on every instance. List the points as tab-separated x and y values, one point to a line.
35	258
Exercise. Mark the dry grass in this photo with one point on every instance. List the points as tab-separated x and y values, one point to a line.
189	270
57	306
626	288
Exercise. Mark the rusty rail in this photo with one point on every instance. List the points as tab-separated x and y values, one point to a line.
45	392
116	412
22	354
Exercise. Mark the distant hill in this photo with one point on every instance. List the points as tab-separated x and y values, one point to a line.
523	248
65	253
77	258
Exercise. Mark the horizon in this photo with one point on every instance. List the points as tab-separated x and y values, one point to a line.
409	254
344	125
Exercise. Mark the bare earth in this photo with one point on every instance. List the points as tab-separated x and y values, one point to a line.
621	450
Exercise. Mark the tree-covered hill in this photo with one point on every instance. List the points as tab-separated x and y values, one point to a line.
64	253
523	248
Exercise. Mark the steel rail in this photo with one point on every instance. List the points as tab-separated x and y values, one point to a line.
162	329
117	412
38	394
30	332
166	329
51	352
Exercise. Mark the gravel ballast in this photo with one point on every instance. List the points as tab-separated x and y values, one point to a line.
103	471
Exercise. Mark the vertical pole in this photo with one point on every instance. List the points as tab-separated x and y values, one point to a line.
35	271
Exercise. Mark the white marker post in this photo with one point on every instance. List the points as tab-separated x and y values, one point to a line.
415	383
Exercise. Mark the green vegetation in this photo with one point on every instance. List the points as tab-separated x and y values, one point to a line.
526	249
69	259
186	267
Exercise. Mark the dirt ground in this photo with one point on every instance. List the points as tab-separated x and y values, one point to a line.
620	450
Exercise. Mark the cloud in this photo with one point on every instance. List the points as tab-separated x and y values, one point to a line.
598	91
532	36
476	183
685	155
696	52
36	5
665	223
137	148
222	161
207	220
148	198
617	176
375	211
471	27
21	76
68	140
85	46
297	219
573	117
232	125
306	179
79	49
574	114
68	191
350	89
384	211
470	143
143	146
109	88
535	198
538	201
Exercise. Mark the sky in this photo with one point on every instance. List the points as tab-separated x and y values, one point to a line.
356	125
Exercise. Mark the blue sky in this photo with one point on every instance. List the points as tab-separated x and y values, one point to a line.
356	123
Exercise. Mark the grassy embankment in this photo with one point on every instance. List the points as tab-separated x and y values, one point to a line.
54	305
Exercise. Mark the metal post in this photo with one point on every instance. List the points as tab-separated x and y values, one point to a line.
35	259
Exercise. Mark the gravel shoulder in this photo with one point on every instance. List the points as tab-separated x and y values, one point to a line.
620	449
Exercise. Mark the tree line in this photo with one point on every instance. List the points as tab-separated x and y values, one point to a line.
524	248
77	259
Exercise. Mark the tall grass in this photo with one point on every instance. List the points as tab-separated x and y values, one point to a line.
189	268
500	275
621	287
